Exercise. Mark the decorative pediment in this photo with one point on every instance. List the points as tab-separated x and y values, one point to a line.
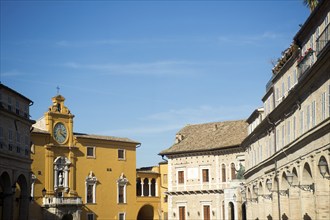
91	178
58	105
122	179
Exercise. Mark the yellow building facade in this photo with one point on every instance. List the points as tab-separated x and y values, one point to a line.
151	185
80	176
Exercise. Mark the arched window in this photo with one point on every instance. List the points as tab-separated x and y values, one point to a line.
146	187
233	171
121	189
138	187
223	171
153	187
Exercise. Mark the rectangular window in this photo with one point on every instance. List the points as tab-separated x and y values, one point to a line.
91	152
308	116
26	140
121	216
165	199
288	132
206	212
17	107
18	137
121	154
26	111
301	122
182	213
205	175
90	193
180	177
289	82
313	113
233	171
9	103
283	89
323	101
223	172
10	135
295	76
90	216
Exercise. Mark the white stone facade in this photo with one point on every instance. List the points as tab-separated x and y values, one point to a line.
194	194
285	149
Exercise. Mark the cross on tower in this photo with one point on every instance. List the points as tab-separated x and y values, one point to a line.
58	90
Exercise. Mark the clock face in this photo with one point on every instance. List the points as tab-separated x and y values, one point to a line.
60	133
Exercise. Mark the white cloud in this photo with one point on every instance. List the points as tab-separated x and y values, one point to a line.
175	119
166	67
142	130
104	42
200	114
11	73
249	39
65	43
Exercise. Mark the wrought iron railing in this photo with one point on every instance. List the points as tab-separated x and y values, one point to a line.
305	62
323	40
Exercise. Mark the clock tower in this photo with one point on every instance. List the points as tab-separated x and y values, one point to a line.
60	151
59	122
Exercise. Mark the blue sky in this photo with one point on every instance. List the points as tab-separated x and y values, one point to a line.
145	69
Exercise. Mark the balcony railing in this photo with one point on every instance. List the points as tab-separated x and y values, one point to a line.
61	201
200	186
305	62
323	40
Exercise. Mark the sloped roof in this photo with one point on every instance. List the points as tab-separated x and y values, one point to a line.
209	136
40	127
107	138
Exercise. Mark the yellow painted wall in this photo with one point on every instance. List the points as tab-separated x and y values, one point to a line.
106	167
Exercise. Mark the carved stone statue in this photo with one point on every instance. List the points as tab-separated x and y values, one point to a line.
240	172
60	179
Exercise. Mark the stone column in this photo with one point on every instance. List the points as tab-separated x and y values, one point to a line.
149	183
49	169
142	189
156	188
72	174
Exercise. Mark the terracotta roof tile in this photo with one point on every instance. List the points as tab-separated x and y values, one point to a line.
209	136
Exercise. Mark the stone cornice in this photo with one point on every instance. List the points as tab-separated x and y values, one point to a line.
195	192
